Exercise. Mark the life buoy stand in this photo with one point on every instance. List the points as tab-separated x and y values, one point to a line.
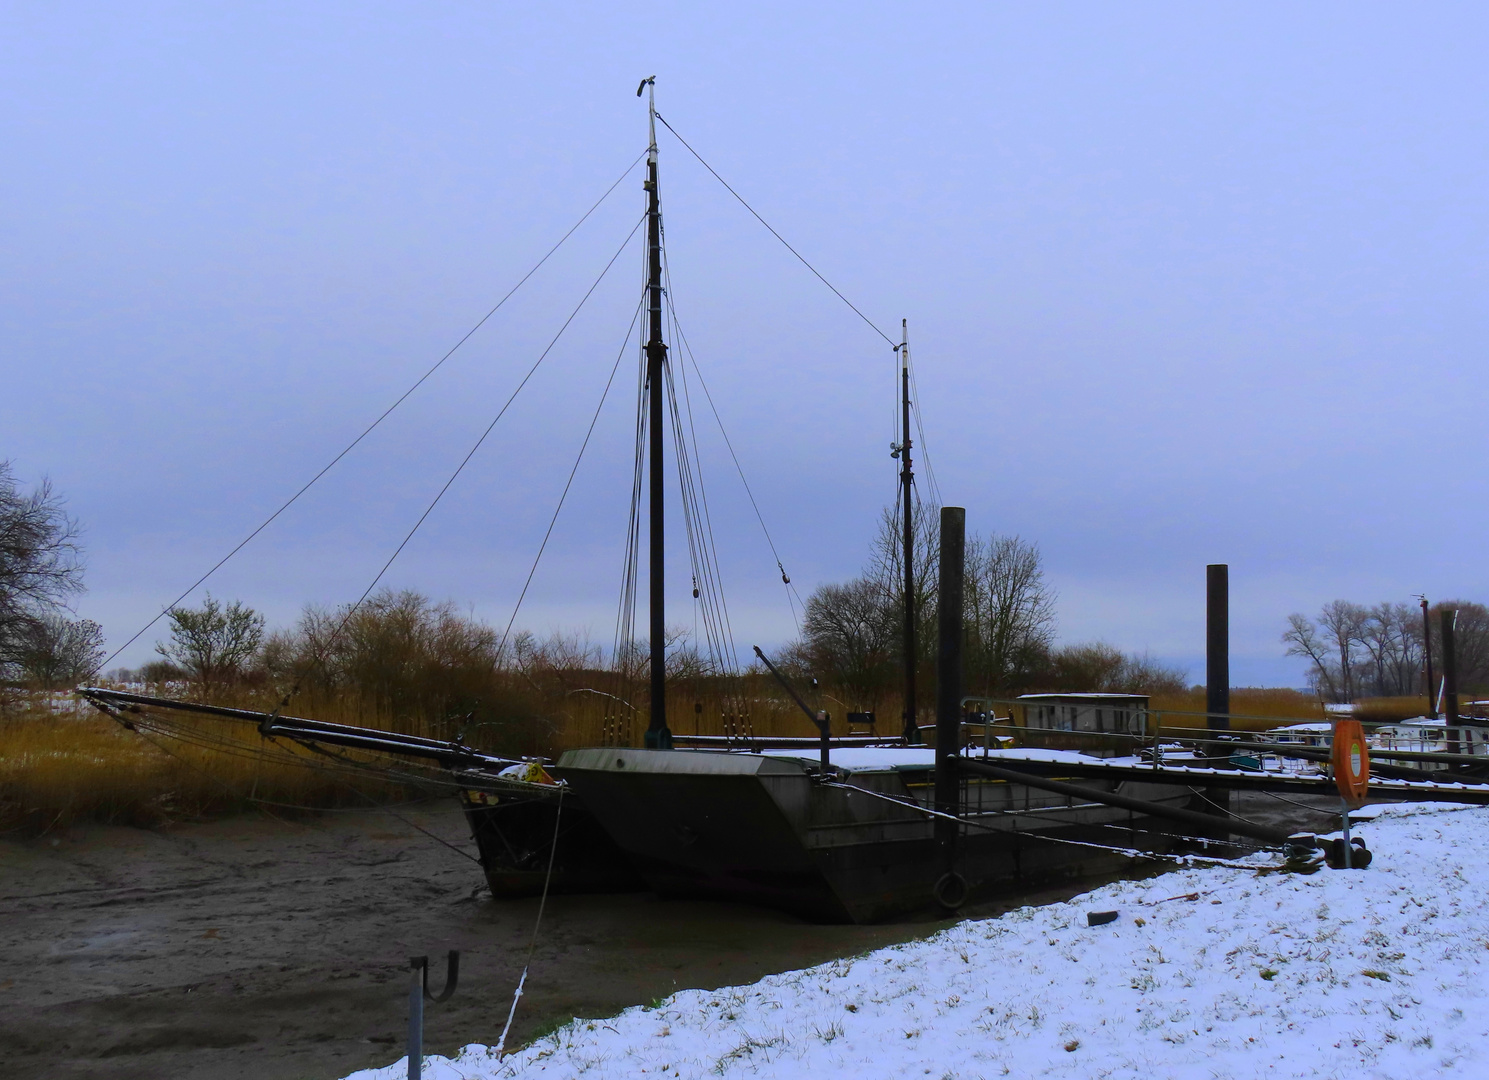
1351	759
951	890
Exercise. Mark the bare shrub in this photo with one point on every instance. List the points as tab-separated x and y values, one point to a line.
214	643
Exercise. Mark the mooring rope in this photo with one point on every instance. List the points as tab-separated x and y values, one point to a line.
532	945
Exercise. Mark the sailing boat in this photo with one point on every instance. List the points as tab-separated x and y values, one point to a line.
846	839
853	837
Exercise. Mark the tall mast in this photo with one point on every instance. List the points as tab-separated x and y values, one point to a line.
658	737
907	522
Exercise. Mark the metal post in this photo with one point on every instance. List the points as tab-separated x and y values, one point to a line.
1427	655
949	679
416	1017
1344	828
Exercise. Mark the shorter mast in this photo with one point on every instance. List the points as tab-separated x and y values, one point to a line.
907	523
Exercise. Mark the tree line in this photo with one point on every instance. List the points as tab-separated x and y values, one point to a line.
852	635
1357	651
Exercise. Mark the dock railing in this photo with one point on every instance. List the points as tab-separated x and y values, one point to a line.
1287	739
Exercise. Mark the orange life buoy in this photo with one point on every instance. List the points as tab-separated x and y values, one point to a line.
1351	759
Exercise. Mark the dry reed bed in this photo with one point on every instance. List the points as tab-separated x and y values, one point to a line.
60	770
62	767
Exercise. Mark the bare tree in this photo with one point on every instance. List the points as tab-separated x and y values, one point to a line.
1302	639
886	570
60	652
1392	639
212	643
852	636
1104	668
1344	623
1010	611
1471	636
41	563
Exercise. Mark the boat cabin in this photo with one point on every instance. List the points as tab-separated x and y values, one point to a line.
1425	735
1121	714
1313	733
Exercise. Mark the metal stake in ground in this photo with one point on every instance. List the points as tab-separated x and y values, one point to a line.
419	990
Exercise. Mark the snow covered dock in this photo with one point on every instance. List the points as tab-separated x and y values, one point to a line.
1220	972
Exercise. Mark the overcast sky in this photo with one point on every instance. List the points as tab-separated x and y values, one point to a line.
1186	284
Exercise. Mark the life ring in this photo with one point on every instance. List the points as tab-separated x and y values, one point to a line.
951	890
1351	759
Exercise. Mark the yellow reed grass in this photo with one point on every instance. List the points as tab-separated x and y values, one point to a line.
1388	710
56	770
1252	709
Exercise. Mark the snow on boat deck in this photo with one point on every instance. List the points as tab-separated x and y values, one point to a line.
870	758
1207	973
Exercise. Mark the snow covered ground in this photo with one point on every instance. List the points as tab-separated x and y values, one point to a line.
1206	973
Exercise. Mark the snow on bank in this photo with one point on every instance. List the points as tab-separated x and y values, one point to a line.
1208	973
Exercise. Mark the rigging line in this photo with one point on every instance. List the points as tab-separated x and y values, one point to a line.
386	413
265	802
533	945
777	235
729	661
625	613
1134	853
925	453
500	649
688	348
472	453
697	517
387	810
701	548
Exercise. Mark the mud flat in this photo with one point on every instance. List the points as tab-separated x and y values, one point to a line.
279	948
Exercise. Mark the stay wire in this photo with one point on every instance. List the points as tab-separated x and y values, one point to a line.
385	414
708	396
695	496
466	460
777	235
925	453
500	649
703	553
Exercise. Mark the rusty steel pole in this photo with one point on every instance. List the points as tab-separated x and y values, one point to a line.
949	680
1217	666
